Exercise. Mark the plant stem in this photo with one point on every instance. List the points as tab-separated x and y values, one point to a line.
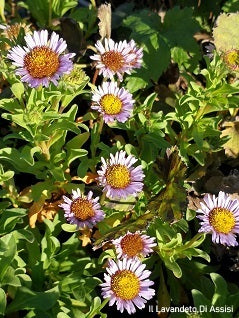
98	309
50	13
194	239
102	198
95	76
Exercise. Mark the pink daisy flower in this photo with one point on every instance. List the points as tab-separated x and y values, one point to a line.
137	62
118	176
113	58
134	244
41	61
112	102
84	211
220	216
126	284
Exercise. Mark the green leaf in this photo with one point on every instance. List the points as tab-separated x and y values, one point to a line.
179	28
38	9
154	64
10	278
28	299
174	267
23	234
60	7
94	308
171	200
8	251
146	29
3	301
23	162
179	55
62	315
18	90
9	219
221	292
135	83
5	176
106	255
2	7
73	147
69	227
143	23
199	299
231	6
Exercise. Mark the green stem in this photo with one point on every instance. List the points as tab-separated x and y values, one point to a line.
102	198
194	239
98	133
50	13
93	3
98	309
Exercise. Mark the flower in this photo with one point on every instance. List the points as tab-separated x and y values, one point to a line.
220	216
232	59
41	61
137	61
113	58
119	178
126	284
84	211
12	31
113	102
134	244
75	78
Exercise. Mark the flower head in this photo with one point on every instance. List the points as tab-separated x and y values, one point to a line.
113	102
126	284
220	216
113	58
137	61
41	61
232	59
12	31
134	244
118	176
84	211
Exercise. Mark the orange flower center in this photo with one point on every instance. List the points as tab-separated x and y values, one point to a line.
132	244
111	104
113	60
125	284
13	31
118	176
82	209
222	220
41	62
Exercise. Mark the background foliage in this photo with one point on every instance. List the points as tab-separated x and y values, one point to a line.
184	130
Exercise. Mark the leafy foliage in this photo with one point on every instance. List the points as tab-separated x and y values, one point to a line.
183	130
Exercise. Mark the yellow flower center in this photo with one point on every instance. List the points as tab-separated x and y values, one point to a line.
82	209
113	60
111	104
232	59
222	220
118	176
132	244
125	284
41	62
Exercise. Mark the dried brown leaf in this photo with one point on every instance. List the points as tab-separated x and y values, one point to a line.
232	145
85	236
104	14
